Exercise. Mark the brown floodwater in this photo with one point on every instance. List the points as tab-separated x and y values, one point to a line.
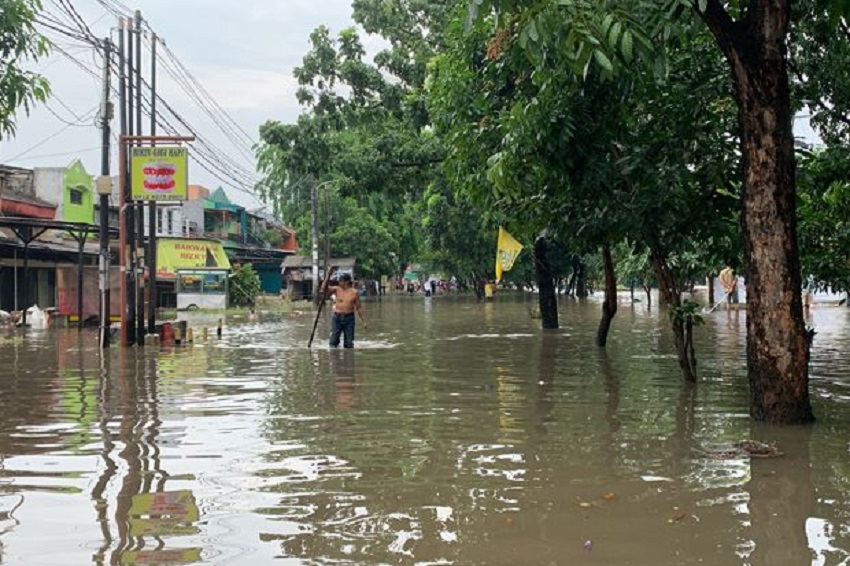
456	432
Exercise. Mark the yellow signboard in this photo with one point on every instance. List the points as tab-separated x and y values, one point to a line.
159	173
181	253
162	557
163	513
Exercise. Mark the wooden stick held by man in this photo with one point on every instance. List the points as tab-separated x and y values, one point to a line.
322	290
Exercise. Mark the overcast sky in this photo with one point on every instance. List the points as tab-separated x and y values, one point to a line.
242	52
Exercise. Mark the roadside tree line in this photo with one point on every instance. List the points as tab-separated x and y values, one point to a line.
653	140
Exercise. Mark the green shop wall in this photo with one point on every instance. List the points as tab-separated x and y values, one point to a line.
271	279
77	179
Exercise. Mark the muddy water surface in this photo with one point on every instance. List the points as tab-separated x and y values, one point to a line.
456	433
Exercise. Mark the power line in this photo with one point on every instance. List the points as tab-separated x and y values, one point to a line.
197	84
216	162
60	154
216	114
220	160
192	86
78	123
50	137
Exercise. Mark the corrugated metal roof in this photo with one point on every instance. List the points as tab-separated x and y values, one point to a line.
27	199
304	262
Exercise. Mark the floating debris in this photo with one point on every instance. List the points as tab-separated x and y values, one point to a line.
744	449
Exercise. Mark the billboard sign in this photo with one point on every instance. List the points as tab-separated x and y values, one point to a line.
159	173
173	254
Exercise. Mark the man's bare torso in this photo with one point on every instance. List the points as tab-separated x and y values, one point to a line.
346	300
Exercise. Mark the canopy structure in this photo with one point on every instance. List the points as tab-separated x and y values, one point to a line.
28	230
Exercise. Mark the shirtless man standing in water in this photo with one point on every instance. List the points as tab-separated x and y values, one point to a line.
347	301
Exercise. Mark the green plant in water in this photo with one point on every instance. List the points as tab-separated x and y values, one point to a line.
687	315
244	286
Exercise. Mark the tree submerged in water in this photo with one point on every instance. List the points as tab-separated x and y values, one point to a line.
244	286
687	316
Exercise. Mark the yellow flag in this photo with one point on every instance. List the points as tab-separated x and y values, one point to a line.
506	253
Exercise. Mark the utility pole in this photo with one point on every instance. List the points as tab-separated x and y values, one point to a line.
140	207
104	189
126	255
327	227
152	207
314	209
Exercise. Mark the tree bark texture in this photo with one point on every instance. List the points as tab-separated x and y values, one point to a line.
581	282
777	344
609	305
547	298
478	286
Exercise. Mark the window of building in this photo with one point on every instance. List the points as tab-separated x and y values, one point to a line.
76	196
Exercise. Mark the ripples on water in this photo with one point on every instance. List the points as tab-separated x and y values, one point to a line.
456	433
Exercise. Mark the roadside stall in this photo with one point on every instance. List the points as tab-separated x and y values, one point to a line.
202	288
194	272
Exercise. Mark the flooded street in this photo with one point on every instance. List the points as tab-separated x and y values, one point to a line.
456	432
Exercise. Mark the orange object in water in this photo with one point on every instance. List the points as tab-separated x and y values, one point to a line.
167	334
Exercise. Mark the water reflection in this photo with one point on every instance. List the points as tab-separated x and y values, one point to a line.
342	373
147	520
458	433
781	499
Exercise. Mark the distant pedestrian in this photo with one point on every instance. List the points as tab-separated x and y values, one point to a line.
729	280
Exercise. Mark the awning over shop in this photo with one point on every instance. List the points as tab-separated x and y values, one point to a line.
27	208
181	253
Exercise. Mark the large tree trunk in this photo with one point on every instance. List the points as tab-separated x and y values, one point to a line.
547	298
777	344
478	286
581	281
668	291
609	305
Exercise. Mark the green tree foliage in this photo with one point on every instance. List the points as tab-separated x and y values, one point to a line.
820	49
244	286
354	231
752	36
19	44
366	127
824	227
590	157
458	239
415	30
593	157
